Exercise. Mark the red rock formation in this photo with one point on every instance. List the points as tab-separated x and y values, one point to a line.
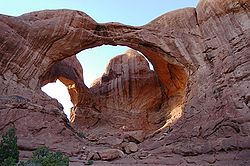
210	43
128	94
37	126
69	71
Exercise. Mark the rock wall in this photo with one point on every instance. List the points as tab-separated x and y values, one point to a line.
207	45
216	114
129	96
37	126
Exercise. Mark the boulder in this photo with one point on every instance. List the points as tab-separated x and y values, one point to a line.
130	147
110	154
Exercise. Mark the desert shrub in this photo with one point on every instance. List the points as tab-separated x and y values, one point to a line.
8	162
43	157
9	153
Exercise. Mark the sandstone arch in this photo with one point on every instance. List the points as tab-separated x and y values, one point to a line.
72	40
69	71
78	31
210	41
137	109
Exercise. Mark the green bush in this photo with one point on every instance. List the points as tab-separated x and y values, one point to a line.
9	162
9	153
43	157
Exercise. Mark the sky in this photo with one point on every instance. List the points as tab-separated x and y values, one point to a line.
94	61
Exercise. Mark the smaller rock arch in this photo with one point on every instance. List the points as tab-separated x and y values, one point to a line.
69	71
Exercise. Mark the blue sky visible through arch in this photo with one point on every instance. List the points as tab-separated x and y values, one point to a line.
131	12
94	60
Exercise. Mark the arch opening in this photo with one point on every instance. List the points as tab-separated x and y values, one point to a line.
62	76
128	96
124	100
60	92
100	56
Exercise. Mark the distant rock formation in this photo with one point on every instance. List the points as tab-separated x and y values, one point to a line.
129	95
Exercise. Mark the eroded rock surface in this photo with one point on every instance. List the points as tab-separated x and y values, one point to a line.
69	71
129	96
37	125
207	45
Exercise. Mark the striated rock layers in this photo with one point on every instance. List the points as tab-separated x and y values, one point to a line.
205	48
129	96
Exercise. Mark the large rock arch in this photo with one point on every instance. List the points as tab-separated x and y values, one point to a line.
76	32
210	43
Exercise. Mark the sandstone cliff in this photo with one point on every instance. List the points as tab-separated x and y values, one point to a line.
128	95
205	48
